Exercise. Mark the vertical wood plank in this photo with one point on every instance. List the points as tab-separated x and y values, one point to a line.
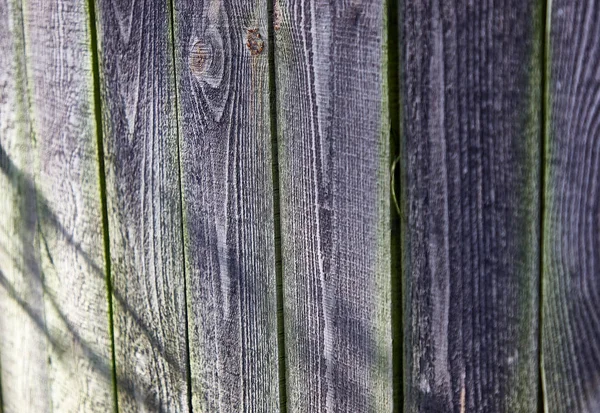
471	83
571	265
143	199
227	180
67	181
23	341
333	132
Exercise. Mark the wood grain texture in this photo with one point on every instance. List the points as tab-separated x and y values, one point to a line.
67	182
23	340
333	132
571	282
223	84
470	96
143	200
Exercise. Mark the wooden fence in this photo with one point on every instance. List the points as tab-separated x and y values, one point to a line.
300	205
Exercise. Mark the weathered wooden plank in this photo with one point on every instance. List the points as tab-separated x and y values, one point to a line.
333	132
223	83
143	198
470	83
571	248
23	340
67	182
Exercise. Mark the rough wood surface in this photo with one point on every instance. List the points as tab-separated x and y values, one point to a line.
571	269
23	340
470	97
143	198
333	133
71	237
223	84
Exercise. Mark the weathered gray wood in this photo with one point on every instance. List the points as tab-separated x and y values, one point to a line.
470	97
333	132
143	198
67	182
571	266
22	323
223	84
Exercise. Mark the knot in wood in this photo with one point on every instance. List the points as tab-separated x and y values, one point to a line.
254	42
198	57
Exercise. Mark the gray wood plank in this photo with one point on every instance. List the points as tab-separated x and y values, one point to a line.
470	97
227	180
23	341
333	132
571	254
143	198
67	182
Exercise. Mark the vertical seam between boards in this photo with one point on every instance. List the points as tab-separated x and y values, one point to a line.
393	82
102	180
282	368
181	212
545	12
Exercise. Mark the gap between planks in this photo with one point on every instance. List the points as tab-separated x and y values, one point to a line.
91	4
395	116
545	17
282	370
181	218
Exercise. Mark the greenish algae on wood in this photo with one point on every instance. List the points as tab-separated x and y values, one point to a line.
224	113
137	80
67	189
333	133
23	334
471	83
571	254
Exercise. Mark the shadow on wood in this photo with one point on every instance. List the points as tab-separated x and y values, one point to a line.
48	220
